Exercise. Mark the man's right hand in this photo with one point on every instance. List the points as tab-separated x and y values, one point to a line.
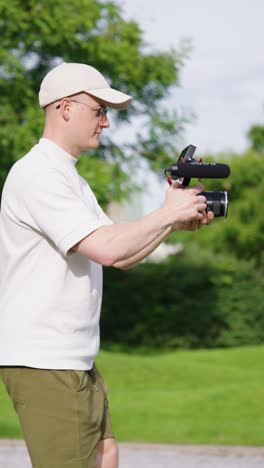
185	205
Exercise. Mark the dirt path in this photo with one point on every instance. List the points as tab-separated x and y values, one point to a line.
13	454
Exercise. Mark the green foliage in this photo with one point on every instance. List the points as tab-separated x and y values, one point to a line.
36	35
256	137
159	145
193	300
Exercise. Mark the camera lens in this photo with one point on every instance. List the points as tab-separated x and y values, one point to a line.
217	202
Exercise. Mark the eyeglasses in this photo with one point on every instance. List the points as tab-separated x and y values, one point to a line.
101	111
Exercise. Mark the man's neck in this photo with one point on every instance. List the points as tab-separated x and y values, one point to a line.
61	141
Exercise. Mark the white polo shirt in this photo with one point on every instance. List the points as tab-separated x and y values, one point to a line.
50	298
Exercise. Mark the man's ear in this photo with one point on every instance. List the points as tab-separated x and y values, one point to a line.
64	109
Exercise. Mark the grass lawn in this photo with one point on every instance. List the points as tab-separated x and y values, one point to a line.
207	397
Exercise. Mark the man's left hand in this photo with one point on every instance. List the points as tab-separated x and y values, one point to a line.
194	225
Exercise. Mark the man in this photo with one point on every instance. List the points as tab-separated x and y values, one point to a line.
54	240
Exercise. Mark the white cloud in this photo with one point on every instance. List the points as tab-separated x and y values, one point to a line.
222	82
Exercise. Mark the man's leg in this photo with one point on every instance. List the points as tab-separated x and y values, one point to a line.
107	450
107	454
61	414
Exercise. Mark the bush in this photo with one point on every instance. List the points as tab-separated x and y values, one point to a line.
192	300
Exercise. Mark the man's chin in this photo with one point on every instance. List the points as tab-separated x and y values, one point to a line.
92	145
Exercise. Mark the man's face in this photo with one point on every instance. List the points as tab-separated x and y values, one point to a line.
87	121
90	120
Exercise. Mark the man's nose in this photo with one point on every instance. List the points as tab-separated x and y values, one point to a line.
105	123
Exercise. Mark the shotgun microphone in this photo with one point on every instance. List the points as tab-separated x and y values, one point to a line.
200	170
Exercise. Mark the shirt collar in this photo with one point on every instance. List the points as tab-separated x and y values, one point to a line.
57	153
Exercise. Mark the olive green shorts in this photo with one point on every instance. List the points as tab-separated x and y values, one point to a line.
63	414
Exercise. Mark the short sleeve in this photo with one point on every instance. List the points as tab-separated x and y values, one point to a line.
56	208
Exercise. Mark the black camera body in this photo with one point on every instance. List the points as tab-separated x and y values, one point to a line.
188	167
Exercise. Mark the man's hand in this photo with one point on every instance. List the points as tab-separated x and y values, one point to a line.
202	217
185	205
194	225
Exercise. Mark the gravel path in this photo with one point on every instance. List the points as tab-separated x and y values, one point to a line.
13	454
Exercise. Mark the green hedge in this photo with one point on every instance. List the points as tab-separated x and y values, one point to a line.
192	300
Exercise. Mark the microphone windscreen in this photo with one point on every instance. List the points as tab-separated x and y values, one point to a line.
201	170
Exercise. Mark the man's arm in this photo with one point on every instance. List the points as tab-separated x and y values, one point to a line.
135	259
189	226
109	245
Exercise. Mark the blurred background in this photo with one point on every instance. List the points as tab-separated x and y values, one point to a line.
186	327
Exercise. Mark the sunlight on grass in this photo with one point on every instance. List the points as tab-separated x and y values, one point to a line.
208	397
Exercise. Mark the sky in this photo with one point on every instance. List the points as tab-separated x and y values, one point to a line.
222	81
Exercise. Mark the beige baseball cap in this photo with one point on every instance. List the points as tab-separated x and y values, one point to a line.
71	78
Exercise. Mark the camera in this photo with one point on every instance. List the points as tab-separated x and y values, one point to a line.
188	167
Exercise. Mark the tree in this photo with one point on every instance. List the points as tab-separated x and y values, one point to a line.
37	35
256	137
